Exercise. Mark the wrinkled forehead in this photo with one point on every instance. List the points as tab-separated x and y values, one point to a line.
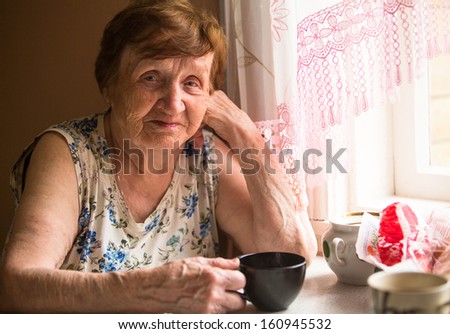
132	60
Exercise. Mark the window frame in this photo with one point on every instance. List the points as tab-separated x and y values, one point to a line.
389	158
413	174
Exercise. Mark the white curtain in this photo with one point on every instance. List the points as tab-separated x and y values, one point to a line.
302	68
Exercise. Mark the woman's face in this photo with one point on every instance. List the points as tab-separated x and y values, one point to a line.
159	103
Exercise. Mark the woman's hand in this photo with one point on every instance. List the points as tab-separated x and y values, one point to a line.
228	121
193	285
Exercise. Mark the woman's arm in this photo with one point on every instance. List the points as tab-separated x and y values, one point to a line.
44	229
255	205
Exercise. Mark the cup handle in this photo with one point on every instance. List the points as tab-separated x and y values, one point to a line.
243	294
338	244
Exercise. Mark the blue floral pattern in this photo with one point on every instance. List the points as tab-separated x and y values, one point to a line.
182	225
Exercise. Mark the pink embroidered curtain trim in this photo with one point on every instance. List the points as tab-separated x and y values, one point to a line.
354	55
365	37
319	70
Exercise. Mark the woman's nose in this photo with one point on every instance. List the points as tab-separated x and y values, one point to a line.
171	100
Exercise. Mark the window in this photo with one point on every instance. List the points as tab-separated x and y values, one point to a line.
416	150
402	150
440	112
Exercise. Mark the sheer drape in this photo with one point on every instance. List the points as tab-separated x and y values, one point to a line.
302	68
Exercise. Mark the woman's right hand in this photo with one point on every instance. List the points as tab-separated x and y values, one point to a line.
192	285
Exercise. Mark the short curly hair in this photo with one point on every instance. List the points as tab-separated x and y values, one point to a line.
161	29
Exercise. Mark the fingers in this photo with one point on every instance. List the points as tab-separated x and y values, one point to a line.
222	277
223	263
226	271
226	283
220	103
233	302
232	279
222	114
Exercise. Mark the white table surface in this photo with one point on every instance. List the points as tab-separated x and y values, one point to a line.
323	294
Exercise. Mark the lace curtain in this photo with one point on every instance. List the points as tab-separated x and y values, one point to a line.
302	68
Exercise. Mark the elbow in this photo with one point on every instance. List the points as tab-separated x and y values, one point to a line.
309	250
307	240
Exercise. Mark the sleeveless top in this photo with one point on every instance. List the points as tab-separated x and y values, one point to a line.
182	225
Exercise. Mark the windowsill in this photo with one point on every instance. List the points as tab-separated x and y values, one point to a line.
421	207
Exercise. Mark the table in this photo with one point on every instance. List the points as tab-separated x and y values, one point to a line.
323	294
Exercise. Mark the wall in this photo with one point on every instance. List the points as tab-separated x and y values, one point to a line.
47	55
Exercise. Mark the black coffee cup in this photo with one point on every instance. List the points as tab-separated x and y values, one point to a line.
274	279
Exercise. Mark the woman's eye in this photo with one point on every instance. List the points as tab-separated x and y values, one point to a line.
150	78
192	84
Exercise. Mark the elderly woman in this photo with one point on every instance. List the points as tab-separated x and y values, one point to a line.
120	211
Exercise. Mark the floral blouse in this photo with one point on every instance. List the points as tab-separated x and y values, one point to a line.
182	225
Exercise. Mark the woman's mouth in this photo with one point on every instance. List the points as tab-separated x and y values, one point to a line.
164	125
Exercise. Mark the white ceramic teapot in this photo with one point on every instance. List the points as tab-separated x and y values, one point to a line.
339	249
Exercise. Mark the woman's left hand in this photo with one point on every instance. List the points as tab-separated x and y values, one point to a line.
228	121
